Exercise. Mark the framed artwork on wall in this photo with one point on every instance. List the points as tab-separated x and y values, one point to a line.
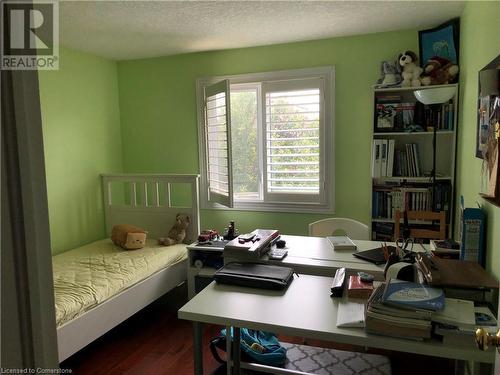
488	129
442	41
488	105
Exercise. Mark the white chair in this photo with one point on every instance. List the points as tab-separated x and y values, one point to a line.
339	226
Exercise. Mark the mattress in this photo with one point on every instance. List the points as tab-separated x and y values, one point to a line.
89	275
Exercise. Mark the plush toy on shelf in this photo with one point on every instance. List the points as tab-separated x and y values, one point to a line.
411	71
390	75
439	71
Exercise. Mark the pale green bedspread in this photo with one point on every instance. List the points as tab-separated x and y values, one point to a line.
89	275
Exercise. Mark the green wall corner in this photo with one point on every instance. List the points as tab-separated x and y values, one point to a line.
479	44
82	138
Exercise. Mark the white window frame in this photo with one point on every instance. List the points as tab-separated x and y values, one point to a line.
327	140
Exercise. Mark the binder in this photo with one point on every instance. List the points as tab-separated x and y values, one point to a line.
417	160
377	162
383	157
390	158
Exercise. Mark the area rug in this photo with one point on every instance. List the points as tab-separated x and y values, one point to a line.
330	361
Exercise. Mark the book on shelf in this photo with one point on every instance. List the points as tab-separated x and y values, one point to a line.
407	115
392	115
407	161
386	200
386	116
340	243
442	119
406	294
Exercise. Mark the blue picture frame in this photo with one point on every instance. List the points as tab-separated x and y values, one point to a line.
442	41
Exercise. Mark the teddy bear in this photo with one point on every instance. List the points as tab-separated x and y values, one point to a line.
439	71
411	71
178	232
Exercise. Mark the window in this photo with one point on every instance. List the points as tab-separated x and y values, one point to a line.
266	140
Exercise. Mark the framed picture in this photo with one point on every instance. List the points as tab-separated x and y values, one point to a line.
488	105
442	41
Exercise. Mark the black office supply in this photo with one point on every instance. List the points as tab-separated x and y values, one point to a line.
374	255
337	288
254	275
280	244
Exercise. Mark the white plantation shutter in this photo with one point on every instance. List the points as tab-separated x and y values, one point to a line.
218	148
294	118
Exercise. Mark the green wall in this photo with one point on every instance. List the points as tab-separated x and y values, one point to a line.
158	114
480	43
82	138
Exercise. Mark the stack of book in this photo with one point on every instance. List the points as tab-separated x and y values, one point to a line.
464	319
443	118
407	161
252	249
403	309
386	200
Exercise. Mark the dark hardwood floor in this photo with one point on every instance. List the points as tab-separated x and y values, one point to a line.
154	341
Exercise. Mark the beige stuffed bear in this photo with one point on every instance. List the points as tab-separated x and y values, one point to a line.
411	71
178	232
128	237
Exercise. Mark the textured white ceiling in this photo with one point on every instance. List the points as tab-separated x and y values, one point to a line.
136	29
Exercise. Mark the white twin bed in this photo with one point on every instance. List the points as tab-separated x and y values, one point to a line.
99	285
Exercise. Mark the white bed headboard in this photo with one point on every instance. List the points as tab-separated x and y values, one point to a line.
147	201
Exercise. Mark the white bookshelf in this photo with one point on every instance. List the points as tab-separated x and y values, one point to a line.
423	139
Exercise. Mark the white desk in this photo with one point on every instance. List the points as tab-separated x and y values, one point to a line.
315	256
309	255
305	309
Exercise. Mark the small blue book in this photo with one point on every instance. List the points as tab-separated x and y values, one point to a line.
408	295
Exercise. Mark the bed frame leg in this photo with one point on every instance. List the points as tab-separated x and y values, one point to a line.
198	348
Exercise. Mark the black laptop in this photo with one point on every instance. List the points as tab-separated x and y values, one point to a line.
374	255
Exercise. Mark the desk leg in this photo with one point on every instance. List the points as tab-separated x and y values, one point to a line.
229	349
237	350
198	347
